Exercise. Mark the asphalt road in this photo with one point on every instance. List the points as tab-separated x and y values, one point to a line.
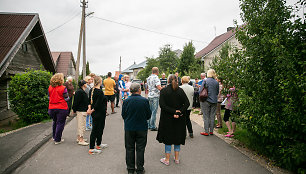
200	155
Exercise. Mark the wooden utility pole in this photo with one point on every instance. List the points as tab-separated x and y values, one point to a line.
84	47
82	30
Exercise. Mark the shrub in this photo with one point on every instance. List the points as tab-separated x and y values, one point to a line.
28	95
269	73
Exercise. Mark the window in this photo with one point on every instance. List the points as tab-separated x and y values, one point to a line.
24	47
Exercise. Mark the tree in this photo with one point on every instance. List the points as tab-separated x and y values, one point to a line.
147	71
168	60
87	71
187	60
87	68
269	73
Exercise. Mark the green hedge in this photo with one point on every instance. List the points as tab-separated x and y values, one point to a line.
28	95
269	73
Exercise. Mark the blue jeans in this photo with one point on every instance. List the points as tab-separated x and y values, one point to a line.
177	148
153	106
88	122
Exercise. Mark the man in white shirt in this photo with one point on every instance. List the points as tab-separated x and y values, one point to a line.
153	96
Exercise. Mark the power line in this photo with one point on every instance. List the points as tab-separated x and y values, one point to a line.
148	30
57	27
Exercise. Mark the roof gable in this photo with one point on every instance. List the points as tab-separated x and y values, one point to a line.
62	60
140	65
14	29
129	69
215	43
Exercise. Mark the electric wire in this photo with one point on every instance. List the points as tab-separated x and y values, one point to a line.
148	30
57	27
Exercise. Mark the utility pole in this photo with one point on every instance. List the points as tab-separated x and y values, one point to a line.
120	66
84	5
84	44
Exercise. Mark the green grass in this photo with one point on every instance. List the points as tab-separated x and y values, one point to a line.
46	121
196	112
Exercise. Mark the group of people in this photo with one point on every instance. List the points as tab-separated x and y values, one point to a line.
176	97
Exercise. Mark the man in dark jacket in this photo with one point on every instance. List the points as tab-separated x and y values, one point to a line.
135	112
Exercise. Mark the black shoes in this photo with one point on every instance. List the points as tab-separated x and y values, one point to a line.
138	172
154	129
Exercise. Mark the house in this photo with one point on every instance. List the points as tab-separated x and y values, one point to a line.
23	45
208	53
138	68
178	52
64	63
128	71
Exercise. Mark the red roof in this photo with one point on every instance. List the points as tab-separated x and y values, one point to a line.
11	28
215	43
62	61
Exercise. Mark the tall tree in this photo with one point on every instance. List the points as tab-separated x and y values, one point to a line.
167	59
269	73
87	68
87	71
187	59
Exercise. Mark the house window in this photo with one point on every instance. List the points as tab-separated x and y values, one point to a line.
24	47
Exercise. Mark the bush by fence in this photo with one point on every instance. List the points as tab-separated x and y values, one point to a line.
28	95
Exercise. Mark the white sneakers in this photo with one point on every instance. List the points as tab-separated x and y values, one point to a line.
94	151
56	143
83	143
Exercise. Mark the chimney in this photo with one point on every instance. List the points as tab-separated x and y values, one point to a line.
230	28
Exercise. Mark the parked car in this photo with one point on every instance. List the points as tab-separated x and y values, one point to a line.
140	82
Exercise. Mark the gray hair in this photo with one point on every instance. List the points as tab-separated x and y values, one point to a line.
203	74
134	87
69	78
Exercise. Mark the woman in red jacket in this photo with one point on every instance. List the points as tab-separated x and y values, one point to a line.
58	108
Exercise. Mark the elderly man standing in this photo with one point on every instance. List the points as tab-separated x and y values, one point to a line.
153	96
135	112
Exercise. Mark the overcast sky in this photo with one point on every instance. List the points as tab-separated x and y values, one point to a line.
106	42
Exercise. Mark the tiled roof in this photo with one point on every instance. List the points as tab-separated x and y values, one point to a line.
62	61
140	65
129	69
11	28
14	29
215	43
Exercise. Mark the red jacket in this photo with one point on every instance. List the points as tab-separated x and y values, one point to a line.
56	97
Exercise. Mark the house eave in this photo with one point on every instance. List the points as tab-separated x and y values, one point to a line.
10	55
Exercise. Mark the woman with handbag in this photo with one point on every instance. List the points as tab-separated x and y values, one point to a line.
209	98
172	124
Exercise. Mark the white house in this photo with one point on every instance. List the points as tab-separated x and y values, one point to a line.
208	53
